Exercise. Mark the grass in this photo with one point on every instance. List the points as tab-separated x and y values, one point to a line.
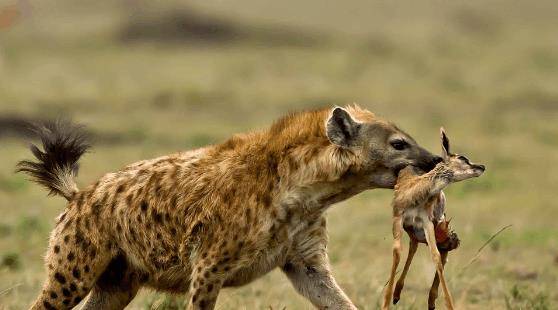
486	71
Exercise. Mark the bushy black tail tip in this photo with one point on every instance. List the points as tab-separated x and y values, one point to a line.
56	165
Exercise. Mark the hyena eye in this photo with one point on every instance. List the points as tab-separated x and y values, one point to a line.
399	144
463	158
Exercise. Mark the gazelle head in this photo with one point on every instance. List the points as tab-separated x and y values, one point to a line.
461	167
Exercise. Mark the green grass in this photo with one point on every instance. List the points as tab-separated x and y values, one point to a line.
486	71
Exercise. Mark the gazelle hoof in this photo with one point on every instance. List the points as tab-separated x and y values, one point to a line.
395	300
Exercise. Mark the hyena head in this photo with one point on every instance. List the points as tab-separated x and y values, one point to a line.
382	148
460	166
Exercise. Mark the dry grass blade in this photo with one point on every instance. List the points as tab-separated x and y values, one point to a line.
483	246
5	291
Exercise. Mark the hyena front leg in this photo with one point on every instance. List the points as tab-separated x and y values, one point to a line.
210	271
309	272
313	280
205	285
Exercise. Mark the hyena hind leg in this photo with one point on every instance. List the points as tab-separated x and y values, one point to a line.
116	286
74	265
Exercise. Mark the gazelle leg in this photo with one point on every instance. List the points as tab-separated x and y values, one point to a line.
397	229
413	244
431	240
433	294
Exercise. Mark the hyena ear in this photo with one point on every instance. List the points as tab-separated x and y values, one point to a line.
445	143
341	129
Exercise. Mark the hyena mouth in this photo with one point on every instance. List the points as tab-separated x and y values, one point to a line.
398	168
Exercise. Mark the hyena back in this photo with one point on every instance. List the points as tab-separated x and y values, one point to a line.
214	217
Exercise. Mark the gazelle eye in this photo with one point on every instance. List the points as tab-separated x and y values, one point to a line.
399	144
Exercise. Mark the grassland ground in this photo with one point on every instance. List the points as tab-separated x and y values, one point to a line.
486	71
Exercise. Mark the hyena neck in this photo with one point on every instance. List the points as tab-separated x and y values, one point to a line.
316	177
313	172
293	163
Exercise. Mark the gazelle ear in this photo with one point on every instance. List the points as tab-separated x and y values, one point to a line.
341	129
445	143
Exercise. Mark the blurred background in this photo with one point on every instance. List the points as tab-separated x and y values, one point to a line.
153	77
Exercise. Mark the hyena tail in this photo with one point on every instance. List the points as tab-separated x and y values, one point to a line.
56	165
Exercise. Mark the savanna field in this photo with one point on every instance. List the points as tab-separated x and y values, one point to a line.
151	78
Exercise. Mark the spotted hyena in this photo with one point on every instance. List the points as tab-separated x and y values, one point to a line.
215	217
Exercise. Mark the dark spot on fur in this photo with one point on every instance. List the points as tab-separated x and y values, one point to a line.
66	302
173	201
53	295
67	224
56	249
118	228
113	206
48	306
120	188
79	237
144	277
173	231
60	278
157	217
76	273
93	253
86	268
196	229
66	239
214	269
71	256
143	206
66	292
129	199
209	288
73	287
77	300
